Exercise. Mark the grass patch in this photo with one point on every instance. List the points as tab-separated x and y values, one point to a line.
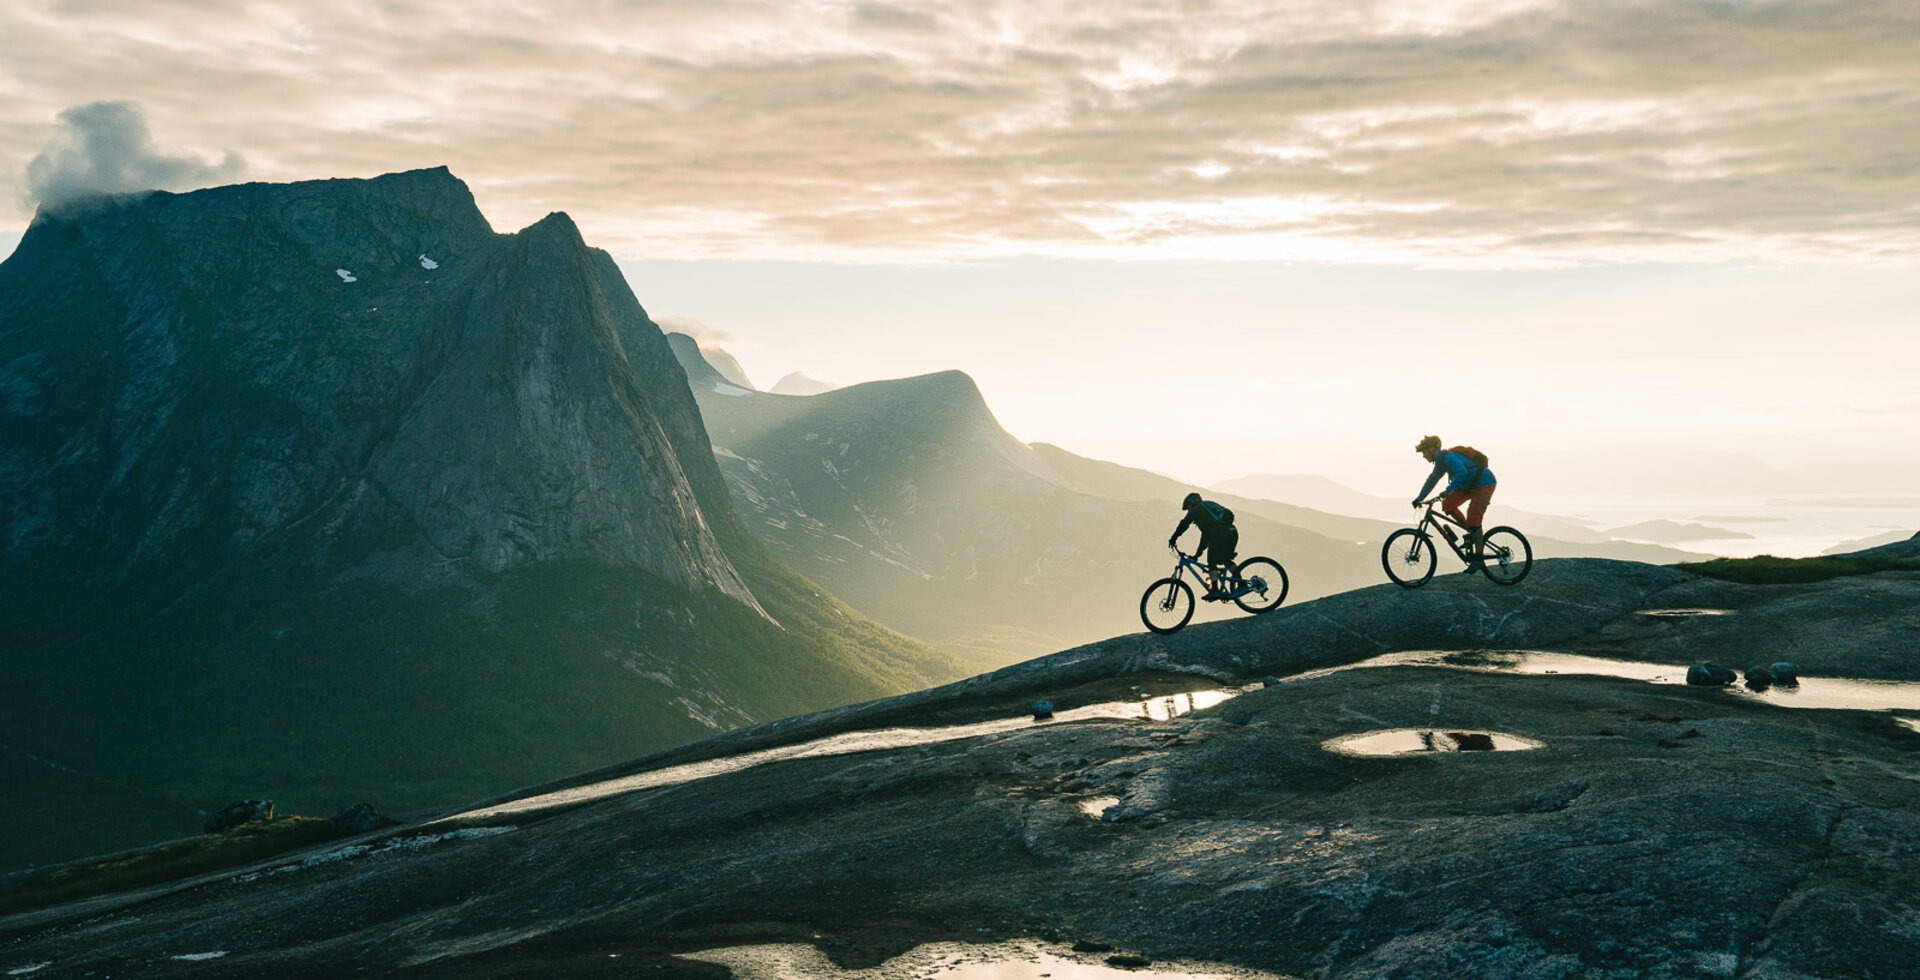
1768	570
240	845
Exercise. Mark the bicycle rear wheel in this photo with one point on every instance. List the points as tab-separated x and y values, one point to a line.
1167	605
1409	558
1265	583
1505	556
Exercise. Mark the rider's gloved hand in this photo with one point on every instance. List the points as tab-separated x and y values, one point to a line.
1416	504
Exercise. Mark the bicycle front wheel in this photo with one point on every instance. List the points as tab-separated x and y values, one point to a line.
1409	558
1167	605
1264	584
1505	556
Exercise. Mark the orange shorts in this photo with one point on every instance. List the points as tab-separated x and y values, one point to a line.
1476	500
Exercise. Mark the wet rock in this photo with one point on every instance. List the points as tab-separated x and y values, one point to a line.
234	814
1784	673
1042	710
1710	675
1129	961
356	819
1270	681
1759	678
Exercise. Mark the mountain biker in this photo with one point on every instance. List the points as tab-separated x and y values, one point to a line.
1218	538
1469	483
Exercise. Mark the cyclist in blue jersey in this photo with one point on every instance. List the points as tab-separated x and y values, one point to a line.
1469	482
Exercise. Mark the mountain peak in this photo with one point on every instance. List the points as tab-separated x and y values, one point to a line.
368	346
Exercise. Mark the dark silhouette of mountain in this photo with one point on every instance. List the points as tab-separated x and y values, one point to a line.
326	492
1205	834
707	366
798	383
907	499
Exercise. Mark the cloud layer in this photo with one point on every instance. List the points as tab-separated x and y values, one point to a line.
1503	131
106	148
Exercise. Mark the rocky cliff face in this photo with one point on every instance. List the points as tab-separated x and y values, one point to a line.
327	492
188	374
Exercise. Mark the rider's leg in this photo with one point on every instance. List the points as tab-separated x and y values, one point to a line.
1477	500
1208	546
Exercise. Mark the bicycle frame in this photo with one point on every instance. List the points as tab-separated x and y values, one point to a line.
1233	585
1432	523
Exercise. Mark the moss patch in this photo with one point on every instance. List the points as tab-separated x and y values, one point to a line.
1768	570
240	845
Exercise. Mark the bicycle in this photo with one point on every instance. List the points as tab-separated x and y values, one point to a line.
1410	557
1257	585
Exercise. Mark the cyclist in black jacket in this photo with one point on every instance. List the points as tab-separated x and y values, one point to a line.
1218	537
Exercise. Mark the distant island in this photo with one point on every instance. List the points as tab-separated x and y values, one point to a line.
1669	532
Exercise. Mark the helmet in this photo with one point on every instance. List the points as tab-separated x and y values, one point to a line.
1430	443
1192	500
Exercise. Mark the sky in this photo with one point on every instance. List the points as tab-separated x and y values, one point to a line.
1632	246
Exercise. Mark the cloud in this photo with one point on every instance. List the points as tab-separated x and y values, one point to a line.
703	335
106	148
1506	131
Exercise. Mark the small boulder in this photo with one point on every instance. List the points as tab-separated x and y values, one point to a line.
1042	709
234	814
1784	673
356	819
1759	678
1710	675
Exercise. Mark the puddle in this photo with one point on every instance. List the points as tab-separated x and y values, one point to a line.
1811	692
1413	741
1097	807
1913	723
1683	613
958	961
1158	708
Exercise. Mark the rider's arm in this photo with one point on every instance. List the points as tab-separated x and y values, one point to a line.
1439	467
1185	522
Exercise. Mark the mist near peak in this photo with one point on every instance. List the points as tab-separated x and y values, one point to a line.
108	148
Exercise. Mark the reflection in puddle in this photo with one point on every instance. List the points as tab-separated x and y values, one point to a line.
1157	708
1683	613
1811	692
1097	807
956	961
1409	741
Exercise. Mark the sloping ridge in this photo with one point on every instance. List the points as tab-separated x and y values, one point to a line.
1230	819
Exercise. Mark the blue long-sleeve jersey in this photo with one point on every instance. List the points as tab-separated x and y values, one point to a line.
1459	469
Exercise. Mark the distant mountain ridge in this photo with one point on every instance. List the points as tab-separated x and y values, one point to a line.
909	500
799	383
326	491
